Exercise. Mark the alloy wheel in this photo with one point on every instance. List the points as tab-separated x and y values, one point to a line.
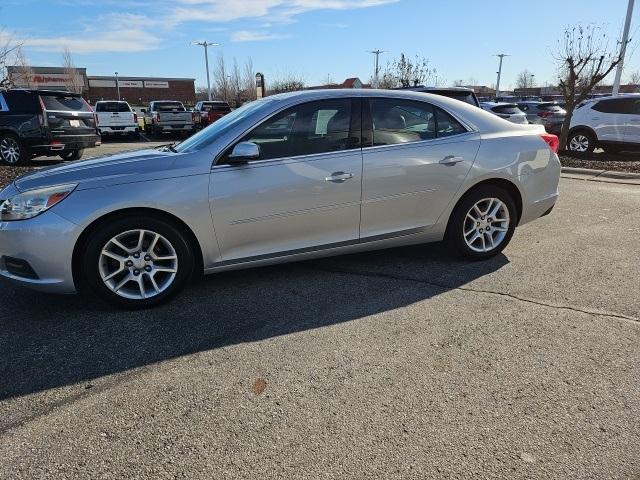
10	150
138	264
579	143
486	225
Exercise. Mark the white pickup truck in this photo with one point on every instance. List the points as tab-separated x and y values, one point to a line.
116	118
168	116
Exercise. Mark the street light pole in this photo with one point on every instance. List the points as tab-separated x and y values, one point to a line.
118	86
206	44
376	69
500	56
623	48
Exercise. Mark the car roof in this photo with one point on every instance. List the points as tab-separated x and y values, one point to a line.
44	92
422	88
610	97
499	104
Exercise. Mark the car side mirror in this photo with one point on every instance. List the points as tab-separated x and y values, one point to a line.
243	152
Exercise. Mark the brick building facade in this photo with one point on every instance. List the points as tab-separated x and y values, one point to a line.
141	90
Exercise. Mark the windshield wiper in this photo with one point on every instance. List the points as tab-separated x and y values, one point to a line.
167	146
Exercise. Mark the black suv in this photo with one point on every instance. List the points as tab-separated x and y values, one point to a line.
463	94
43	122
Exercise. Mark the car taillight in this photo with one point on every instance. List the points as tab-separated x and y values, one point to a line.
157	116
552	141
544	114
193	117
135	117
96	118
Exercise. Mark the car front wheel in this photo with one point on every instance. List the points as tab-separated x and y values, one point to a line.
137	262
483	223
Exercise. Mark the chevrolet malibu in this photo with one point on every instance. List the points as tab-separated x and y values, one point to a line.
288	177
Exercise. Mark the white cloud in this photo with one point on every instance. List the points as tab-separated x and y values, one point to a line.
130	40
255	36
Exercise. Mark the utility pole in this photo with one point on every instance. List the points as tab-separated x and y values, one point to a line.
623	48
118	86
499	72
206	44
376	69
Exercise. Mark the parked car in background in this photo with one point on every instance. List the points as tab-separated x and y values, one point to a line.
285	178
168	116
612	123
549	114
517	98
463	94
207	112
116	117
508	111
42	122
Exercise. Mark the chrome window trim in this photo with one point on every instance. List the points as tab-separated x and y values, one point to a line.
288	160
424	143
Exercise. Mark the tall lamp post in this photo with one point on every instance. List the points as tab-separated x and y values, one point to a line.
118	86
206	45
623	48
376	68
499	72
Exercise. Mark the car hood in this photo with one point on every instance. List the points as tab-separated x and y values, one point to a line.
112	170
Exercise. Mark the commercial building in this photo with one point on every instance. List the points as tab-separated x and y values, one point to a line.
135	90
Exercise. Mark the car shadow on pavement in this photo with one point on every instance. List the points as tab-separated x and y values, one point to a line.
49	341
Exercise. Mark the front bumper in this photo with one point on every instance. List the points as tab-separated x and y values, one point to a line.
46	243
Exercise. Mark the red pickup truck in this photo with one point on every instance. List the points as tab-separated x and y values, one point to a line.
207	112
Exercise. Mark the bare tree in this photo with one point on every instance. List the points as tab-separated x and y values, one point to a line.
584	58
248	82
71	73
289	83
24	70
8	50
404	72
458	83
524	79
634	79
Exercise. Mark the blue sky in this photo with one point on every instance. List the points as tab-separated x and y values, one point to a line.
311	38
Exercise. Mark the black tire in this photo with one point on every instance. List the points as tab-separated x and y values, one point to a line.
459	222
72	155
99	239
12	151
580	136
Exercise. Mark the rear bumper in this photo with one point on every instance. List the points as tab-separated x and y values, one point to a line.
46	244
118	130
57	144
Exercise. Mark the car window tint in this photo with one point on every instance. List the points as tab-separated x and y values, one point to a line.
64	103
401	121
306	129
21	103
168	107
3	104
447	125
615	105
112	107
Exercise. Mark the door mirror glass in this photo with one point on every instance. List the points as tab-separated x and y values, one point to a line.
243	152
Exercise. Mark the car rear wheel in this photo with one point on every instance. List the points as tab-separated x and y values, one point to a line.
12	152
72	155
137	262
482	223
581	142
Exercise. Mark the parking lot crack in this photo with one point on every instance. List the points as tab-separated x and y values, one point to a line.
443	286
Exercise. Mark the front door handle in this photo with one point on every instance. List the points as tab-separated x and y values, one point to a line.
339	177
451	160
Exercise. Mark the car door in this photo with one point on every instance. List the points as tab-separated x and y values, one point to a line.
304	190
632	131
415	159
610	119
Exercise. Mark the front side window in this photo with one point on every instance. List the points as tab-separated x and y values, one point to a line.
307	129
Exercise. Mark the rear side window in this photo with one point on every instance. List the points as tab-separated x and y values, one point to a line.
615	105
447	125
65	103
168	107
549	107
506	109
112	107
401	121
19	102
3	104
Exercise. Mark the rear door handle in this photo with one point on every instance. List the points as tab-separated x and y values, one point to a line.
338	177
451	160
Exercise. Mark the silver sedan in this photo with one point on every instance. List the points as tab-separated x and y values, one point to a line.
286	178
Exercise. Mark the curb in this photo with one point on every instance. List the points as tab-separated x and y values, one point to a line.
608	176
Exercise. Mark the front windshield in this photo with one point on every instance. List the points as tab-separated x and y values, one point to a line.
210	134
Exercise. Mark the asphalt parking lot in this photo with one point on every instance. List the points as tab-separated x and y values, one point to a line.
404	363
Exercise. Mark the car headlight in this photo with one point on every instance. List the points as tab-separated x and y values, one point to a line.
33	202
